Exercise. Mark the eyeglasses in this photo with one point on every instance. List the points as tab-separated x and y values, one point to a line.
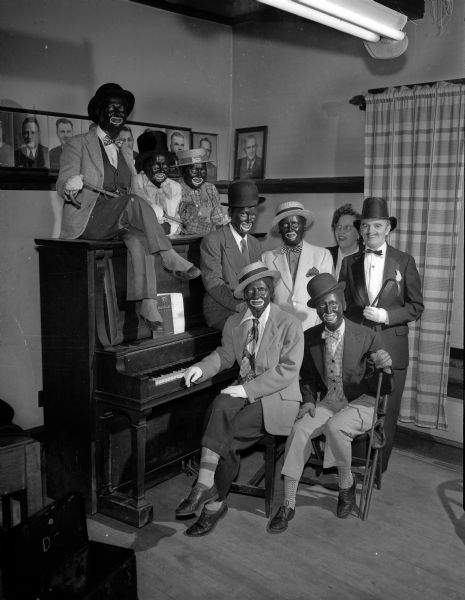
345	228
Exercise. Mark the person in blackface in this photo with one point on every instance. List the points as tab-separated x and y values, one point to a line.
96	181
297	261
200	209
226	251
162	193
267	343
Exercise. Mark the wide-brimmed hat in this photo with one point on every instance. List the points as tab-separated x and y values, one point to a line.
104	92
252	272
242	194
195	156
152	143
290	209
320	285
375	208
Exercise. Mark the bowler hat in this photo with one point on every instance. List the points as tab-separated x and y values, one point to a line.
195	156
242	194
375	208
106	91
252	272
320	285
152	143
290	209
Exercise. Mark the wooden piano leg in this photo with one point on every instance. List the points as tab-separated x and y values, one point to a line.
132	508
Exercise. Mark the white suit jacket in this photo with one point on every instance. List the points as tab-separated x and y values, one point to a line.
294	298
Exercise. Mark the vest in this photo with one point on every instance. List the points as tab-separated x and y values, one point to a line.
118	179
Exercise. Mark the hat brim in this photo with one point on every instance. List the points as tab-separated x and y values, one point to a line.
276	275
261	199
392	220
128	99
339	287
306	214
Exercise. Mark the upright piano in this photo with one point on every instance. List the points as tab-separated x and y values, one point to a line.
117	415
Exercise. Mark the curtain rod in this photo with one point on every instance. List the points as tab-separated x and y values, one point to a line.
360	99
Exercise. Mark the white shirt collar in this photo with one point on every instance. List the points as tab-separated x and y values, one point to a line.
261	320
100	133
341	329
236	236
383	249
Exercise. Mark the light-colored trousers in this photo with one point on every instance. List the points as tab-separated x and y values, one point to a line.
339	428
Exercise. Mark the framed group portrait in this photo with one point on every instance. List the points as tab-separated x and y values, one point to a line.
250	152
208	141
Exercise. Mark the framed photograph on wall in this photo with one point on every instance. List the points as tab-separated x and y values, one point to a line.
209	141
6	139
250	153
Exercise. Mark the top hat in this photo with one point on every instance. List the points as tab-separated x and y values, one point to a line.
195	156
242	194
106	91
290	209
152	143
375	208
252	272
320	285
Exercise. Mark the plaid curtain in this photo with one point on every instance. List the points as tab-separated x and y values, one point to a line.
414	157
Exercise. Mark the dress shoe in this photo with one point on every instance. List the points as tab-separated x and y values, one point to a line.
279	522
191	273
198	496
346	501
206	522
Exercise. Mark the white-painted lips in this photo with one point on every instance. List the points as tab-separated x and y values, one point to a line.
159	177
116	121
197	181
245	226
330	318
291	235
257	303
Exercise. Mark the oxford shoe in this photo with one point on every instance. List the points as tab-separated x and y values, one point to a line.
197	498
191	273
346	501
206	522
279	522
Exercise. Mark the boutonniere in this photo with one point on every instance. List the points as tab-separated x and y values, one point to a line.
398	276
312	272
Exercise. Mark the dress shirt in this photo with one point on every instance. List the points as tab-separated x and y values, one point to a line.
238	238
374	270
110	149
261	323
164	200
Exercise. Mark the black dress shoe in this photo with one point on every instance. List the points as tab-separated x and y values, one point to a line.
191	273
198	496
279	522
206	522
346	501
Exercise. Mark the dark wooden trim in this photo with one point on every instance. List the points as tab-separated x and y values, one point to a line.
187	11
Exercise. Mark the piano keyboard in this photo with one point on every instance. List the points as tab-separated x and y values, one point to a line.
170	376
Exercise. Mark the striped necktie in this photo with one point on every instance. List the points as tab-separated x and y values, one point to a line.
247	369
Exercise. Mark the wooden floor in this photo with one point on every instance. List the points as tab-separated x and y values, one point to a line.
411	547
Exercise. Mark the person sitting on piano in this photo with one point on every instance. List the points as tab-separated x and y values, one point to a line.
225	251
163	194
96	179
267	344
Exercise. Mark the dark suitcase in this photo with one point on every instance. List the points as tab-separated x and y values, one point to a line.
49	556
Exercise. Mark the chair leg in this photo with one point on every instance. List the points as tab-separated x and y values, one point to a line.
270	467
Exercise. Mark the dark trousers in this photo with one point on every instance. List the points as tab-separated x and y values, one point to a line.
231	425
132	219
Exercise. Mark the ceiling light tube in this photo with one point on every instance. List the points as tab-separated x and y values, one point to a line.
365	14
323	18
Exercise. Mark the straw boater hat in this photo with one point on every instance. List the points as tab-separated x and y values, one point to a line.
242	194
320	285
105	91
196	156
289	209
375	208
252	272
152	143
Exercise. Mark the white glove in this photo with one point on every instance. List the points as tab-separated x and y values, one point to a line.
192	375
74	183
382	360
308	407
377	315
237	391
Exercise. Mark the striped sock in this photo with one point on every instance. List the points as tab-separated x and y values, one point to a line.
208	463
290	491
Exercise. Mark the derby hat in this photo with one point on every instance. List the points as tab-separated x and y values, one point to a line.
252	272
375	208
152	143
290	209
242	194
322	284
195	156
105	91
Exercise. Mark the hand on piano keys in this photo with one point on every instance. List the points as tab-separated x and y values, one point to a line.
192	375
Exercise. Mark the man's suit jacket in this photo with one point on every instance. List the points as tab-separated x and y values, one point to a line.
257	168
81	155
40	161
357	379
221	262
334	251
277	365
403	304
294	297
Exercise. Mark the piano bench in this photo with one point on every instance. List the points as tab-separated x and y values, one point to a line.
273	446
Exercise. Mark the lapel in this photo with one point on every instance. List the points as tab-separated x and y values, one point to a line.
305	261
316	346
358	276
269	335
353	340
233	254
281	265
390	267
92	144
239	335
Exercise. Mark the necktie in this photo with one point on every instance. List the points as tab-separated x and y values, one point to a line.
249	166
245	251
30	155
107	140
247	369
377	252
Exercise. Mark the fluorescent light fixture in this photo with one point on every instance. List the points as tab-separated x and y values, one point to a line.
364	19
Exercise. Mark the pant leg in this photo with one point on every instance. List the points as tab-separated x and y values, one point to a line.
141	275
298	443
341	428
392	414
139	214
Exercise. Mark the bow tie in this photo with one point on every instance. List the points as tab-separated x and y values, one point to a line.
326	333
286	249
107	140
377	252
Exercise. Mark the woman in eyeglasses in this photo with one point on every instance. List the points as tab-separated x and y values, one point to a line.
347	236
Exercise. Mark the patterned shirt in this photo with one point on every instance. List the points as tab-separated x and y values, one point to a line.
200	209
